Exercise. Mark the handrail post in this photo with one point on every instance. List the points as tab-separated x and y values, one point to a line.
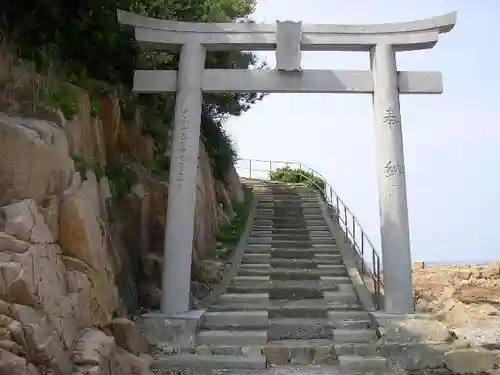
250	167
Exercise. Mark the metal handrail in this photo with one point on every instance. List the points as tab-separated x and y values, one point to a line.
368	259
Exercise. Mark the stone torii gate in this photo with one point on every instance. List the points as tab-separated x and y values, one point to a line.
288	38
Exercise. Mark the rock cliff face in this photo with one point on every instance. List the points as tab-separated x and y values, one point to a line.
460	295
467	300
65	274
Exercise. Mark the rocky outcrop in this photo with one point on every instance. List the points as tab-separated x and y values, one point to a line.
65	273
464	302
460	295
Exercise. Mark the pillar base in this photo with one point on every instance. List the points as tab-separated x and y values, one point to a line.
178	330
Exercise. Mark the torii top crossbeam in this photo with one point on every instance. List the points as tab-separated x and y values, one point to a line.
156	34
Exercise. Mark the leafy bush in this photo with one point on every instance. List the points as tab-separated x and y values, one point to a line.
299	176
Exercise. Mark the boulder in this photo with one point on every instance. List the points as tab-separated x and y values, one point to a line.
34	159
128	336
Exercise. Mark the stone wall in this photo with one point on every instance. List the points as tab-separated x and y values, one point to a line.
65	274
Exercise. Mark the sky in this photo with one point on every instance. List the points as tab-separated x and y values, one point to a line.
451	141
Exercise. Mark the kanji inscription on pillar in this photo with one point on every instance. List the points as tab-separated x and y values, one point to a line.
390	117
182	147
391	169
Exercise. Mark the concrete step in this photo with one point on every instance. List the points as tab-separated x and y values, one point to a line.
299	328
289	209
287	203
289	228
203	364
294	273
254	266
305	274
239	279
256	258
216	337
292	231
242	318
348	335
290	235
306	253
305	308
255	298
303	263
289	289
258	248
297	244
359	349
301	369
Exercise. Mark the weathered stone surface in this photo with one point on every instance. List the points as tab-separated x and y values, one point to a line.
43	343
460	296
128	336
11	364
34	159
463	361
11	244
85	246
412	328
93	348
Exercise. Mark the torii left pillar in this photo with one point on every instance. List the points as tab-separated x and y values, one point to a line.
179	229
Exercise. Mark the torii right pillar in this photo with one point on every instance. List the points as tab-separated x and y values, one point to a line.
394	225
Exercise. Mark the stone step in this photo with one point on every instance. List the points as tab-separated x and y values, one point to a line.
351	335
289	228
362	349
241	318
314	308
255	298
297	244
285	234
216	337
291	218
281	328
288	289
203	364
311	253
254	266
303	263
301	369
293	274
299	328
287	203
256	258
289	210
289	222
250	279
288	196
292	203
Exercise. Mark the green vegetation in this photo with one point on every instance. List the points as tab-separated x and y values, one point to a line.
81	42
299	176
228	237
121	179
62	99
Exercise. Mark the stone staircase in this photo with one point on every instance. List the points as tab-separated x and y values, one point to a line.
292	306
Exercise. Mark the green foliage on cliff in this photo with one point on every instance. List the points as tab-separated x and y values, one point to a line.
83	43
229	236
299	176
